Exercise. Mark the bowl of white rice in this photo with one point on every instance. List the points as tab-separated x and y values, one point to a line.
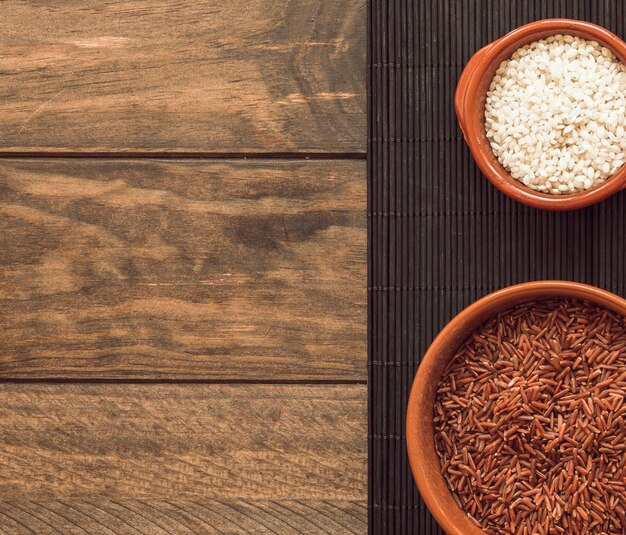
543	110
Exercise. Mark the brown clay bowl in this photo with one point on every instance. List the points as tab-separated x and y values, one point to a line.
420	435
470	97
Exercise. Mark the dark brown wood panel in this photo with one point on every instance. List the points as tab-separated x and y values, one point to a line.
183	517
164	75
86	442
182	269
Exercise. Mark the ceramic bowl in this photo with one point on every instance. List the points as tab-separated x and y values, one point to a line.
420	435
470	100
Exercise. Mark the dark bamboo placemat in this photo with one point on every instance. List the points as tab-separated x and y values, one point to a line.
440	236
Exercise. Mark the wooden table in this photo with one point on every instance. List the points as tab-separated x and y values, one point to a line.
183	267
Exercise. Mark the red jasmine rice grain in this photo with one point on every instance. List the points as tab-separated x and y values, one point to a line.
530	421
555	114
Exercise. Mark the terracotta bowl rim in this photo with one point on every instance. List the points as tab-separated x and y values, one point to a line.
450	516
467	103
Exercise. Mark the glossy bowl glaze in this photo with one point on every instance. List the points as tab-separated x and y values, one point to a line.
471	94
420	433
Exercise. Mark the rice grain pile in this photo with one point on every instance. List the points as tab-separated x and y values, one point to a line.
530	421
556	113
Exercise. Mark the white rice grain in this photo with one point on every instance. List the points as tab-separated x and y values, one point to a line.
555	114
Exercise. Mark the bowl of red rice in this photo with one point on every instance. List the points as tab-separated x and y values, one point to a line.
516	420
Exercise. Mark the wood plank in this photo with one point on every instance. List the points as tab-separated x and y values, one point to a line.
183	269
183	517
159	442
164	75
102	458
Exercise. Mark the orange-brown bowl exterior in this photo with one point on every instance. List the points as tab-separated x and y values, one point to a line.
420	434
471	94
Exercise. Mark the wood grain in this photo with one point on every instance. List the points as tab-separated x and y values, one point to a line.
183	517
182	269
182	459
161	442
203	76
